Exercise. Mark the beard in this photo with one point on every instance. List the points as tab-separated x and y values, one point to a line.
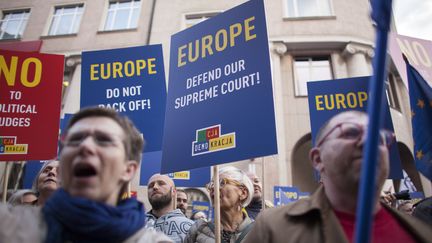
183	210
161	202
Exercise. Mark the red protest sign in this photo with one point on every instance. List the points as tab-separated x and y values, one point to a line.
30	99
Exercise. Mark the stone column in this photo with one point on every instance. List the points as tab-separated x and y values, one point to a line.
355	54
71	99
278	50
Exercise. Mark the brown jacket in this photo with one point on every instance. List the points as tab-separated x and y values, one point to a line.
313	220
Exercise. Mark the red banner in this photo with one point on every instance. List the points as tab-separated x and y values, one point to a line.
27	46
30	103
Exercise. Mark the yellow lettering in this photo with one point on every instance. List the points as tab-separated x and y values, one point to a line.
219	41
181	55
363	96
248	29
140	65
105	70
11	72
117	68
37	74
328	105
129	68
151	65
319	102
193	58
206	46
218	45
234	34
94	72
340	101
351	100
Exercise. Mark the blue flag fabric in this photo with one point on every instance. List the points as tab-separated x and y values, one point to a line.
421	112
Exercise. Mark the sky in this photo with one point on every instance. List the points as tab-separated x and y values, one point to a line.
413	18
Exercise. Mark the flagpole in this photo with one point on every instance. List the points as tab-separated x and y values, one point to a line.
262	184
381	13
5	182
216	204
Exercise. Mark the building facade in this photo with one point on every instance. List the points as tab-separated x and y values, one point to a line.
309	40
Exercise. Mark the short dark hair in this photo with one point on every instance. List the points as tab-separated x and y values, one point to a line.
182	190
133	140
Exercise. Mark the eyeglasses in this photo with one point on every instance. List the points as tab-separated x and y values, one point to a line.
100	138
222	183
354	131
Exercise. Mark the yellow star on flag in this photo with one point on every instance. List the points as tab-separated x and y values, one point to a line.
430	103
419	154
420	103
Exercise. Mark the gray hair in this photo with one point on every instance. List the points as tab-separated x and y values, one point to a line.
241	177
16	198
35	181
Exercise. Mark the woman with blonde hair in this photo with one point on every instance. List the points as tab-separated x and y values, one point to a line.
236	191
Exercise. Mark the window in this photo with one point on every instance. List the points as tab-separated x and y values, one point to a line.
310	69
122	15
192	19
308	8
391	93
66	20
13	24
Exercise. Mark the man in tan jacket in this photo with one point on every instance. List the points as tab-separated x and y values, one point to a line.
329	214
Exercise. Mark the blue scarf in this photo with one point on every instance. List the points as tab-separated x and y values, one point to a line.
82	220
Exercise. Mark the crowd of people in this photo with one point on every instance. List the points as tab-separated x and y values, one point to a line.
80	197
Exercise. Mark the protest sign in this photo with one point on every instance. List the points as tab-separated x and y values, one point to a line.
203	207
327	98
131	81
283	195
27	116
151	164
418	52
220	101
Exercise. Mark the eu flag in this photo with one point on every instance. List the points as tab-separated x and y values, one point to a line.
421	112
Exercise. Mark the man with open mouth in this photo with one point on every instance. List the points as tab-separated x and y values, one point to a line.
100	155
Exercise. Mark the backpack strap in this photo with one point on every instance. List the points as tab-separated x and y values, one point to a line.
245	232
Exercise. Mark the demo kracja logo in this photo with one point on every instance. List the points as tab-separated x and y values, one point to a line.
8	146
210	139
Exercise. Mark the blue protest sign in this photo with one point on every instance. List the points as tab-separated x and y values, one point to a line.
220	101
201	206
132	81
32	167
285	194
151	164
303	195
327	98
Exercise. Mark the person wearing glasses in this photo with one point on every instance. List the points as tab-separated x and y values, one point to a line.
236	192
329	214
100	155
